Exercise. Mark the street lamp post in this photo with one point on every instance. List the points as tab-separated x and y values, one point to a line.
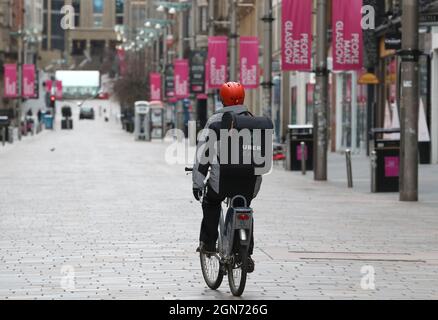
267	59
233	40
211	31
409	102
321	94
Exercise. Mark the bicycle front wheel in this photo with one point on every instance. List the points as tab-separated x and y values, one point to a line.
237	272
211	270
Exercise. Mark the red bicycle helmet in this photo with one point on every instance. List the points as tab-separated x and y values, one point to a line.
232	94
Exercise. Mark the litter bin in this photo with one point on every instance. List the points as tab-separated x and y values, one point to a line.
297	134
385	161
4	129
48	121
67	121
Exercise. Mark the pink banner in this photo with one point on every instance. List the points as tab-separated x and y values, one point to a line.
249	62
28	83
10	79
58	93
49	86
123	68
347	35
181	78
296	35
155	84
217	61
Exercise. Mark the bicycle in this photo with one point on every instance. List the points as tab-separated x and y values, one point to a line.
232	250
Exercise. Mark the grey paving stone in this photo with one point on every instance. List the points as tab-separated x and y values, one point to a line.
113	212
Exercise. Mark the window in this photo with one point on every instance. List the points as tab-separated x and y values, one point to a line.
97	47
57	5
77	6
98	6
203	19
79	47
98	13
120	9
57	32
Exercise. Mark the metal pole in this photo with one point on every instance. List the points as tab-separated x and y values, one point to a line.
157	54
321	94
182	35
409	103
373	171
349	168
354	111
233	40
303	158
20	66
211	31
267	59
3	136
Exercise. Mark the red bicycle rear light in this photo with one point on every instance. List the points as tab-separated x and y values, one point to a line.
243	217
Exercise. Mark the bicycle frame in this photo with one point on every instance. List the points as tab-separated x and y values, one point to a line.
241	221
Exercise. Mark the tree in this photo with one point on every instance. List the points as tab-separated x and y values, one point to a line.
134	86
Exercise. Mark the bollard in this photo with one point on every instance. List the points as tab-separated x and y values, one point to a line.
192	133
349	168
303	158
11	135
374	171
3	136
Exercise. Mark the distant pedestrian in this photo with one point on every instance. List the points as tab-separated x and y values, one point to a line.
40	115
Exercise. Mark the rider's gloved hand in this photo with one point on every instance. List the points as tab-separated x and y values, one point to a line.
197	193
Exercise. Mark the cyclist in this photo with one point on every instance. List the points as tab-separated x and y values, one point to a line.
232	95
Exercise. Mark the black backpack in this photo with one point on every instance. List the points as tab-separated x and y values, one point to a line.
245	145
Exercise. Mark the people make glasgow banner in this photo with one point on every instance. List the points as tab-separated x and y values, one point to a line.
28	81
181	78
249	62
155	86
347	35
217	61
296	35
10	81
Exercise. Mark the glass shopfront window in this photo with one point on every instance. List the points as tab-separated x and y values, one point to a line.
353	112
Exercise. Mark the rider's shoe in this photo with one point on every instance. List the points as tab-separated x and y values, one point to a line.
251	265
205	248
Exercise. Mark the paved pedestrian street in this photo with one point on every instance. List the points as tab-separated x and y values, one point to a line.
93	214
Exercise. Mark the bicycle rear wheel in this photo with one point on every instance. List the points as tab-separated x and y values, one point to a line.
211	270
237	272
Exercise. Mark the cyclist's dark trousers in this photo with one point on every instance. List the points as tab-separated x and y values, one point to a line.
211	207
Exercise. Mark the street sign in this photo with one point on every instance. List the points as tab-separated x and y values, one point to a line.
429	19
169	81
197	71
36	86
393	41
